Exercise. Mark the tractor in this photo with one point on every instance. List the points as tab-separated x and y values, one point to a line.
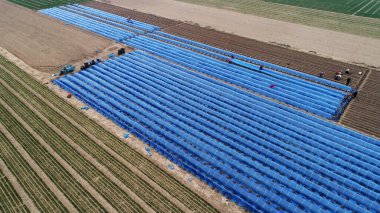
67	69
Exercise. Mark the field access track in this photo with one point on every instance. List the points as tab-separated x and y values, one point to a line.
66	162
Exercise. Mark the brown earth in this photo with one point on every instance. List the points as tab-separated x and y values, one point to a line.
42	42
363	112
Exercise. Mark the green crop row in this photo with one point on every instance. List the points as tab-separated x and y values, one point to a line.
78	196
174	187
123	173
40	194
110	191
43	4
10	201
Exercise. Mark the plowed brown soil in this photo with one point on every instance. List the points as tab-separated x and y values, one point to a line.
363	113
42	42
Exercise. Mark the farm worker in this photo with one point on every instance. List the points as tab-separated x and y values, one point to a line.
348	71
348	82
230	59
129	20
354	94
272	86
321	74
338	76
261	67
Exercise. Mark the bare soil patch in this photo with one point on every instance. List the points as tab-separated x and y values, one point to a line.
42	42
363	113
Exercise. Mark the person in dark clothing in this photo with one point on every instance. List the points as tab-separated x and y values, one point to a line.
348	82
321	74
354	94
230	59
261	68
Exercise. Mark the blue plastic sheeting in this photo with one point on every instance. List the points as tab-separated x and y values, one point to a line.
103	29
262	155
116	18
312	97
223	54
126	26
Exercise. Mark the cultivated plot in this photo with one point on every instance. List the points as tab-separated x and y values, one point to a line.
368	8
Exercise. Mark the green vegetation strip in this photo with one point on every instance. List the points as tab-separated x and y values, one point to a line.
78	196
10	201
363	26
43	4
123	173
110	191
41	195
171	185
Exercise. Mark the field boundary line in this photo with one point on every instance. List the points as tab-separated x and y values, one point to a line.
49	183
84	154
363	7
17	186
101	200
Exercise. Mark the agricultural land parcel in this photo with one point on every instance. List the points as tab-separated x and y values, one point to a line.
60	160
338	15
42	4
42	42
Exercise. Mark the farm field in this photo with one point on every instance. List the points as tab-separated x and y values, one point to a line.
62	167
350	16
189	119
42	4
367	8
44	43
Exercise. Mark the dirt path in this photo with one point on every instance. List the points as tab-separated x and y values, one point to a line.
16	185
43	42
340	46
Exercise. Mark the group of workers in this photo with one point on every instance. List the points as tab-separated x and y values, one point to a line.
338	76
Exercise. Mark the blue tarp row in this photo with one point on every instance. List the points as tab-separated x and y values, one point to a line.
88	24
104	20
245	139
117	18
256	61
314	98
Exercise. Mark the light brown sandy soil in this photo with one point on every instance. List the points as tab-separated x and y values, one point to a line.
42	42
340	46
190	181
